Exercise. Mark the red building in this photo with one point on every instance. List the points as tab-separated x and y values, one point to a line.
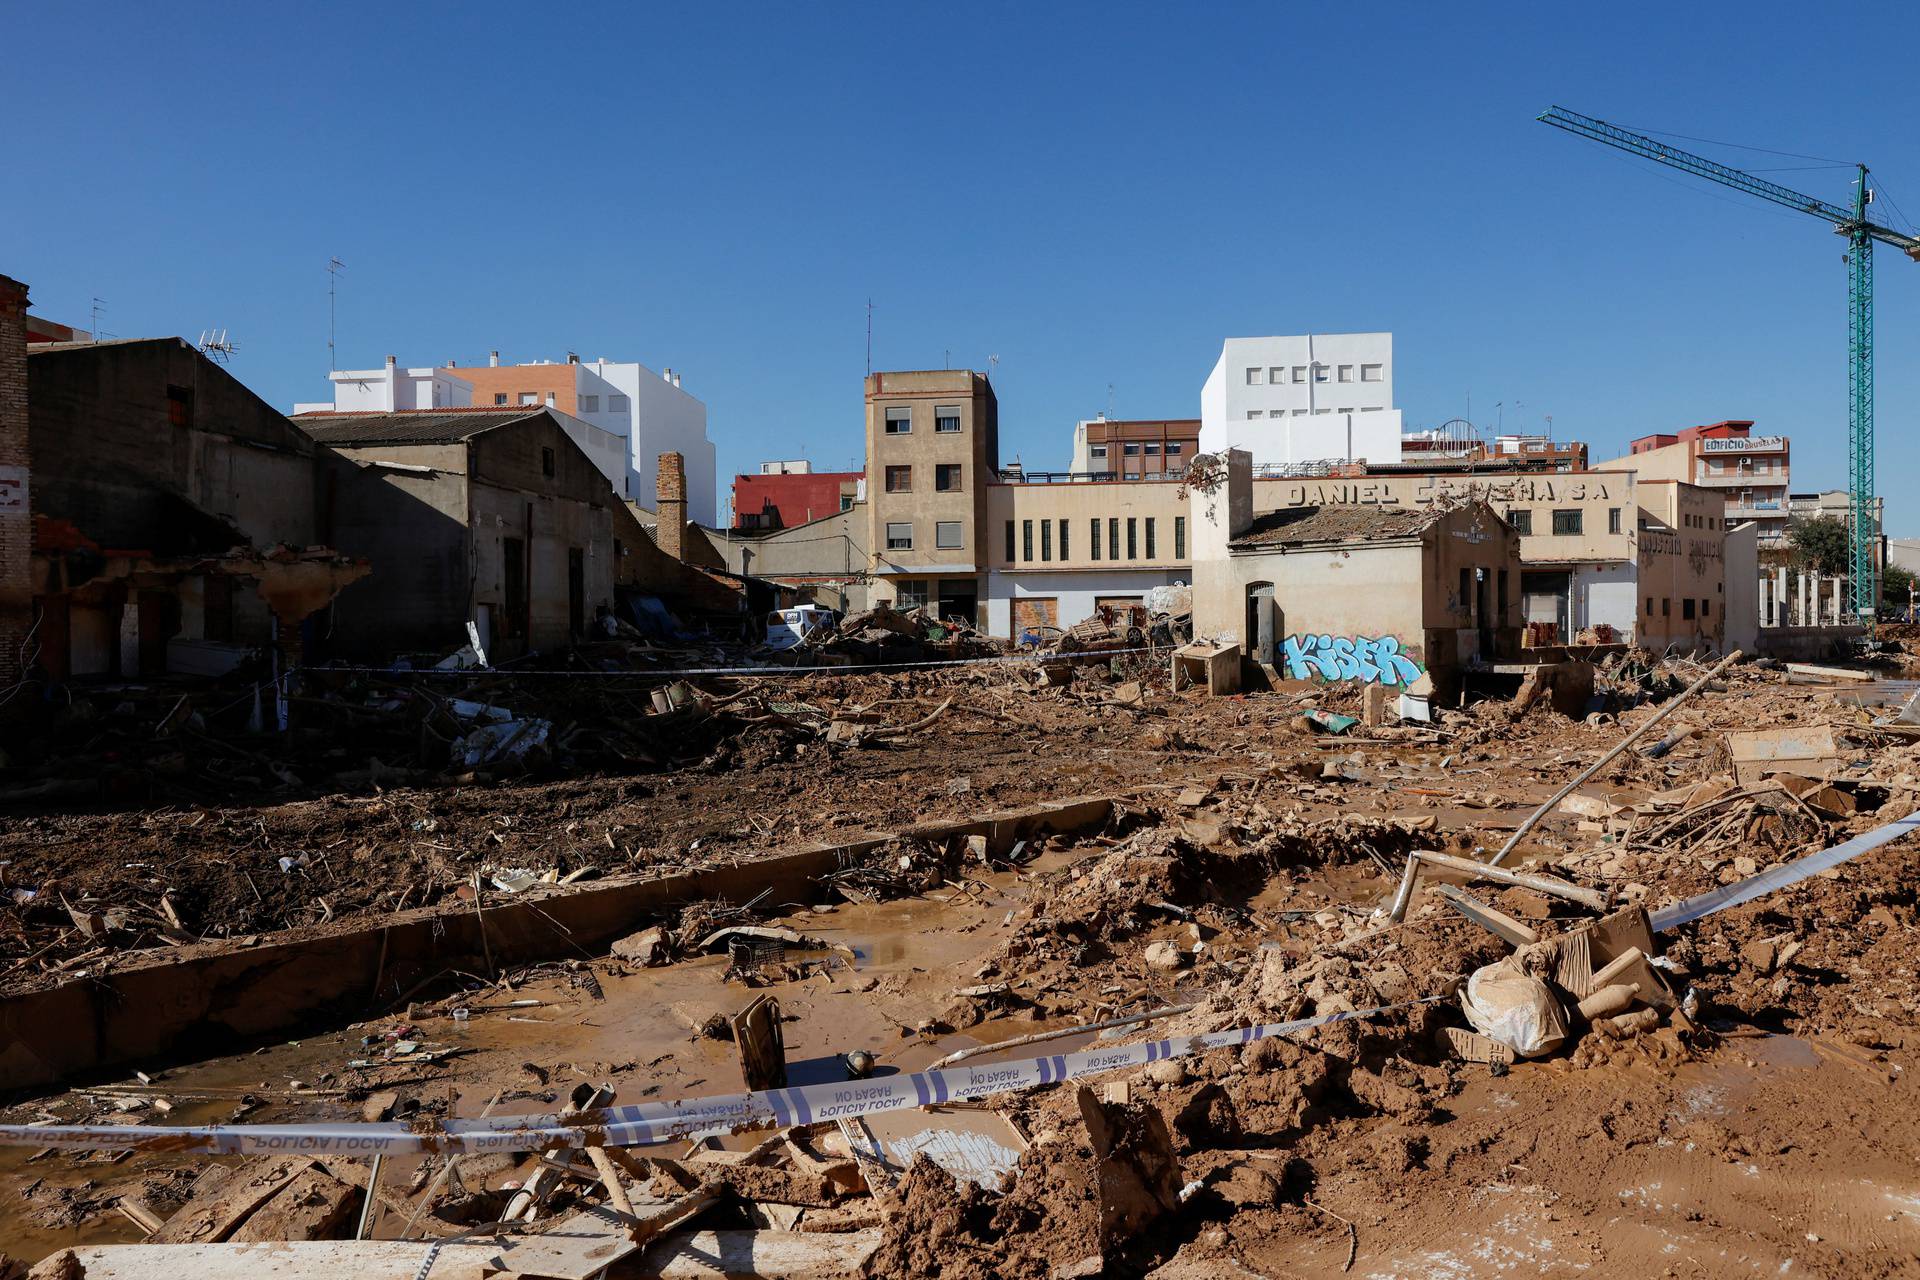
783	495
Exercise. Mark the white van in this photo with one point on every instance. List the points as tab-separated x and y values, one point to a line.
786	628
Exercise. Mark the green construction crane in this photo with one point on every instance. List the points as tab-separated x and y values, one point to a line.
1860	233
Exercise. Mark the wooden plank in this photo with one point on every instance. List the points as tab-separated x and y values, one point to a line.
212	1219
1808	750
773	1255
1498	923
287	1260
758	1040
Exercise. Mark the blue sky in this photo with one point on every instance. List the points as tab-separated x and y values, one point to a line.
1096	194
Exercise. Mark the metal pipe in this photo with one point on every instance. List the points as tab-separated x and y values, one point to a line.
959	1054
1671	707
1521	879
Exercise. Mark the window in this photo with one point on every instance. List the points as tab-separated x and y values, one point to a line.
1098	451
1179	537
900	536
1113	537
1649	606
1522	521
1254	413
1706	607
946	477
1133	538
1466	593
1010	545
1346	373
1130	450
1096	537
1613	519
1152	450
1026	540
1371	373
899	479
946	534
546	461
549	397
1253	376
513	555
899	420
1299	373
1319	373
1346	408
1686	609
1173	448
1666	608
589	404
180	406
1149	537
910	593
946	420
529	397
1277	375
616	404
1566	523
1063	539
1046	540
846	502
499	397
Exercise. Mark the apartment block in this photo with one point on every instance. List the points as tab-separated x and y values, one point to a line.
1751	473
1113	449
1300	400
1438	446
627	414
933	441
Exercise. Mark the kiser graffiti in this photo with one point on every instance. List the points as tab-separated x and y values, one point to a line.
1377	660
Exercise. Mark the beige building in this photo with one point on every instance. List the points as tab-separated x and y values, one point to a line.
825	560
1682	563
933	443
1058	552
1750	472
1386	593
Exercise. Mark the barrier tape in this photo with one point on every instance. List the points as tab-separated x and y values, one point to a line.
653	1123
1773	878
1076	655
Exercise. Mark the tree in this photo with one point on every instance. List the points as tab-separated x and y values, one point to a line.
1894	585
1822	544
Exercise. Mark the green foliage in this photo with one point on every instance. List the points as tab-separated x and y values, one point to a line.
1822	544
1894	582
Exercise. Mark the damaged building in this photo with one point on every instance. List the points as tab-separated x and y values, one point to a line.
172	515
1388	595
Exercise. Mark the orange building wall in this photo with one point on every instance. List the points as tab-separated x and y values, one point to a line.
512	379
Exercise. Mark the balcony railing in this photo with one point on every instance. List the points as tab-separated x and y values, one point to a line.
1086	477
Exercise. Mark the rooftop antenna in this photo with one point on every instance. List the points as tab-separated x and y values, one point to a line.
993	367
869	337
99	305
1109	402
215	344
334	268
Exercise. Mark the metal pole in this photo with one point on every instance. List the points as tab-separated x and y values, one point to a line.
366	1208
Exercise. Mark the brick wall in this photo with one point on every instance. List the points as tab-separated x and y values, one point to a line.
16	522
671	504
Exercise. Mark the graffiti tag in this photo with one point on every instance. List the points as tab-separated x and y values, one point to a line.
1377	660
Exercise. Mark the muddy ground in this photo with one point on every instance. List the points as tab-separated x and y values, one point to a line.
1774	1134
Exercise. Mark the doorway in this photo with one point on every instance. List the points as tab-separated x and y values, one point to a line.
576	592
1260	638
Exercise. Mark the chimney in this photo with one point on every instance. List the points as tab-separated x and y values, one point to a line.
391	362
493	359
676	379
572	358
16	522
671	504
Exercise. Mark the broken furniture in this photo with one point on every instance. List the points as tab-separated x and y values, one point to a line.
1217	665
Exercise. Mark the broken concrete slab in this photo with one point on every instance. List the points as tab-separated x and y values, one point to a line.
1808	750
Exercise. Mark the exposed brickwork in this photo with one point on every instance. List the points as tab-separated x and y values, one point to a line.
671	505
16	521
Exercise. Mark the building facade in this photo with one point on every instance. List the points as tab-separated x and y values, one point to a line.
1057	552
783	494
1751	473
1306	399
1112	449
628	415
16	490
1516	452
933	440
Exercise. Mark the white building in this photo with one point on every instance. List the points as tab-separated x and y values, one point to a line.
645	413
1313	398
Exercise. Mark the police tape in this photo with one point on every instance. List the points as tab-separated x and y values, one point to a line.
1779	877
653	1123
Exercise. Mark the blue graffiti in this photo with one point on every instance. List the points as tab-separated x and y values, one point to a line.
1374	660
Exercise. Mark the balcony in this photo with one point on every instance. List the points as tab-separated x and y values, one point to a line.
1757	511
1742	480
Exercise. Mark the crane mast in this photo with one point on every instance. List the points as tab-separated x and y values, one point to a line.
1863	531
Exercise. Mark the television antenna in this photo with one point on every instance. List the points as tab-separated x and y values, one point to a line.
334	268
215	344
99	305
